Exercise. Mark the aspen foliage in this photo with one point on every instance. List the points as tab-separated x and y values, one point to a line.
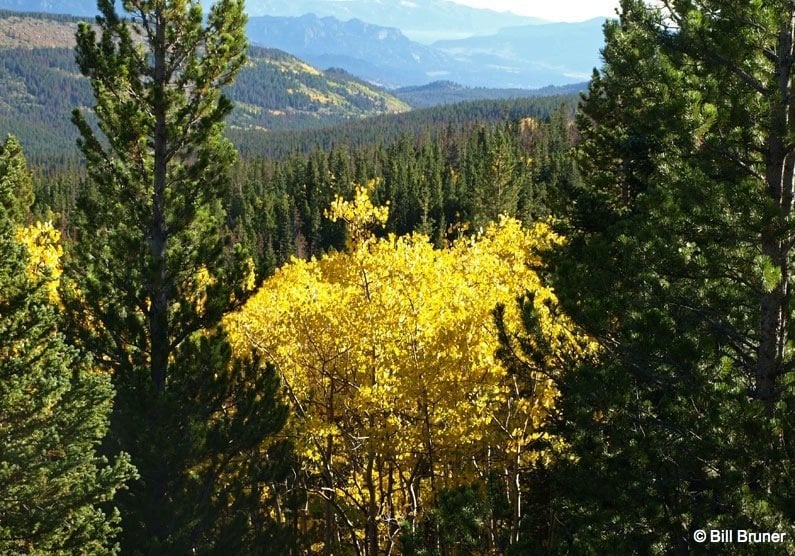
43	244
360	215
388	356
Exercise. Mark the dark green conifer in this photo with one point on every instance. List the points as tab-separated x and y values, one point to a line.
55	408
16	182
156	270
680	262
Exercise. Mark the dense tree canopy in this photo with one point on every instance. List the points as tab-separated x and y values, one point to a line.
430	367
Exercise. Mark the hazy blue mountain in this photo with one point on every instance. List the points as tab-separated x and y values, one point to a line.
421	20
381	55
71	7
534	53
525	57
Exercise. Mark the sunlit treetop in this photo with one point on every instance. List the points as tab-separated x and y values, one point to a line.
361	215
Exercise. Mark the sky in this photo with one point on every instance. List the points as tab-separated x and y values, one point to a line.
553	10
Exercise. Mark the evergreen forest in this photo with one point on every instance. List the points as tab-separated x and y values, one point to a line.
248	307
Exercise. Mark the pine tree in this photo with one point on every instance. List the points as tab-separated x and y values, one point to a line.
17	182
680	264
155	271
495	187
54	407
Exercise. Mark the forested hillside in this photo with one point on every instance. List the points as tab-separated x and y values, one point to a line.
552	325
448	92
40	85
435	167
390	128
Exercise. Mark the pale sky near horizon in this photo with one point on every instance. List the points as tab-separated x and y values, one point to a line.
553	10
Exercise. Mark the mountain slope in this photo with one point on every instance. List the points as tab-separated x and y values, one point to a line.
25	30
40	85
278	91
379	54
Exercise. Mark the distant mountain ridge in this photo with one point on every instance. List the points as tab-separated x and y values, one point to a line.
524	57
70	7
382	55
424	21
421	20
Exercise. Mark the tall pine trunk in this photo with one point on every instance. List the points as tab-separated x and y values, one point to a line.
158	319
774	314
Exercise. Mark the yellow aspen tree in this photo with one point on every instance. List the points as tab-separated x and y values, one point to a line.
388	354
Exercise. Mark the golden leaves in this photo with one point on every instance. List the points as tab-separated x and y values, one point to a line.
388	352
43	243
360	214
